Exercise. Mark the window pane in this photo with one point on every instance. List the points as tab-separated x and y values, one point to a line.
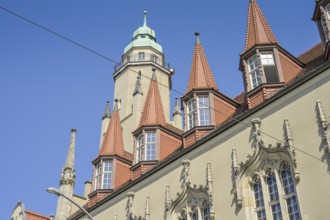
107	175
150	152
287	181
272	188
267	58
276	211
206	213
261	215
191	113
259	199
204	110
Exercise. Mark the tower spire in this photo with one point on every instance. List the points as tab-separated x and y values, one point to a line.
258	31
67	181
153	112
144	18
200	73
113	143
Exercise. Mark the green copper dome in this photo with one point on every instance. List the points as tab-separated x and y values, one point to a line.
144	37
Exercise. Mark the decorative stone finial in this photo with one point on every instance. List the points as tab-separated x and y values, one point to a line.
177	109
147	210
197	38
138	88
107	113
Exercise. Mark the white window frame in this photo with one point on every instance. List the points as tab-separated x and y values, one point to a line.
98	176
254	71
191	113
107	174
203	110
139	147
150	152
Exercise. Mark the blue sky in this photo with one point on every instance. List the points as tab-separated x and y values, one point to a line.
48	85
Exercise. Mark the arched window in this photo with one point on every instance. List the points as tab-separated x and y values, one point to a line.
195	214
259	199
206	211
273	196
289	192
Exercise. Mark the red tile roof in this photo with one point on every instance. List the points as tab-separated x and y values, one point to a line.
200	73
153	113
258	31
113	143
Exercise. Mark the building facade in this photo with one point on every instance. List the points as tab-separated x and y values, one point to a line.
261	155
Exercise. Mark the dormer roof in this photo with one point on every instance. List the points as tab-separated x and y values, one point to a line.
201	76
113	143
153	113
258	32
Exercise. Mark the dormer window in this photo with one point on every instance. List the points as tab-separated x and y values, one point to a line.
265	64
203	105
254	71
191	113
203	111
103	175
150	152
146	146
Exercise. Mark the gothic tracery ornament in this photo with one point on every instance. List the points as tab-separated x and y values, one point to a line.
324	125
193	199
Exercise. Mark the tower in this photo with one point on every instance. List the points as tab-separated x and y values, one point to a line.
67	182
142	54
265	65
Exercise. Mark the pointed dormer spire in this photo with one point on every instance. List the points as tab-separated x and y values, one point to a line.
153	112
145	19
201	76
107	113
69	163
113	143
258	32
138	88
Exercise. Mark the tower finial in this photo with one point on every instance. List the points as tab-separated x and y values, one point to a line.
145	18
197	38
